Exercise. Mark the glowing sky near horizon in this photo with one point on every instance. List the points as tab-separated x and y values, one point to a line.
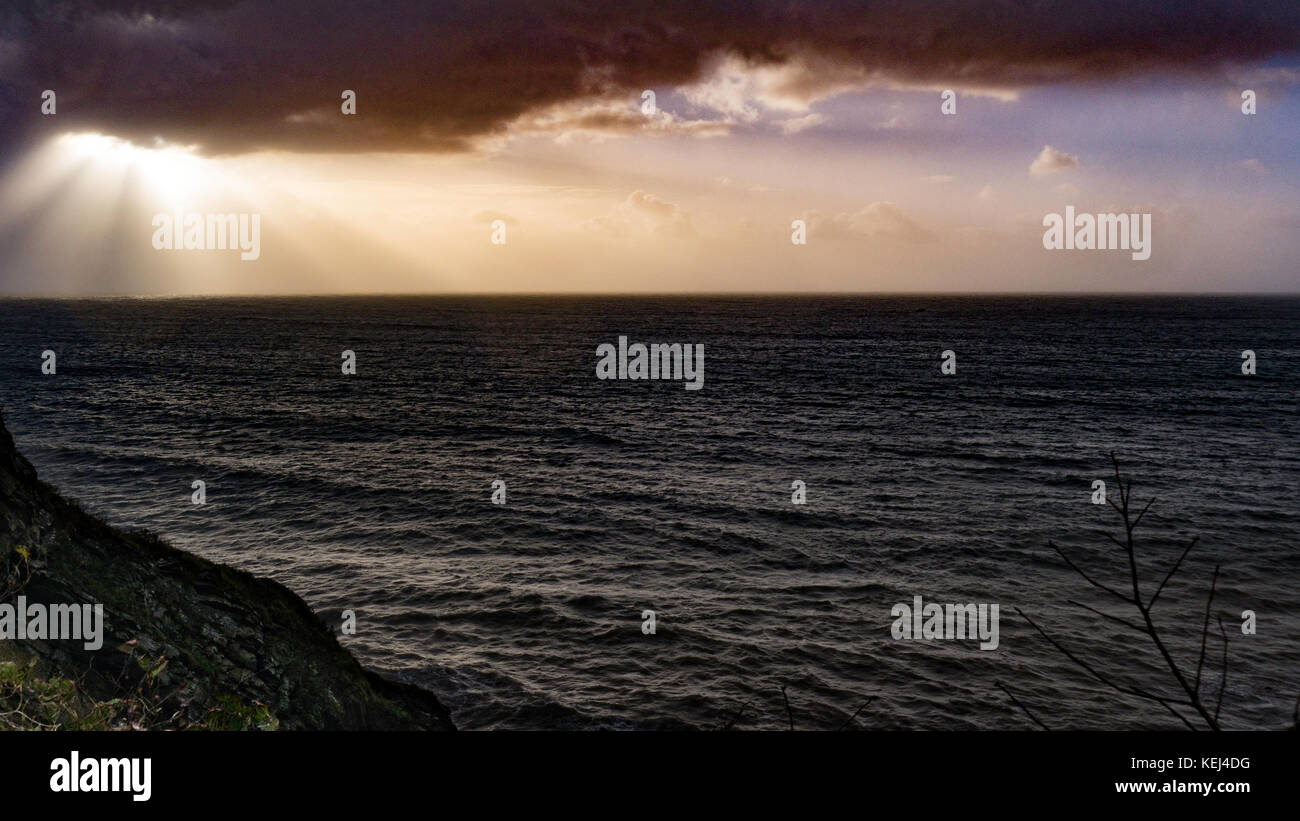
598	198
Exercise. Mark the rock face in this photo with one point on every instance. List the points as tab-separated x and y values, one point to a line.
225	634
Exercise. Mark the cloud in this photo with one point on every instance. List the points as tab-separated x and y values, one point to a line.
643	213
743	88
797	124
596	120
1265	76
1050	161
234	76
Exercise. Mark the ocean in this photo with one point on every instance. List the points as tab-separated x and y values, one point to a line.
373	492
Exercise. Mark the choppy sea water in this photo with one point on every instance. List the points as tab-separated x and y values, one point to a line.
372	492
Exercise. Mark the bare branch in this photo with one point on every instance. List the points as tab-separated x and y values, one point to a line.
1144	511
1111	502
1115	541
1223	676
1173	570
1119	480
1016	702
1122	503
1205	630
1088	578
736	716
1124	622
1127	690
855	713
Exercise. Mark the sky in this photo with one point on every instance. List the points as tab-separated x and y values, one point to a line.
527	123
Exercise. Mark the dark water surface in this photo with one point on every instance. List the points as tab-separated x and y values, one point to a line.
371	492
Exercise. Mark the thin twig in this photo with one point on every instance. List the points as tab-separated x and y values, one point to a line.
1144	511
736	716
1115	541
1016	702
1173	570
1223	676
789	713
855	713
1205	629
1124	622
1088	578
1119	480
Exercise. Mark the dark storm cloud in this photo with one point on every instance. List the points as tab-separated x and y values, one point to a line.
433	76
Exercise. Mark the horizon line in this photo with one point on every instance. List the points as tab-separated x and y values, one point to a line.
627	294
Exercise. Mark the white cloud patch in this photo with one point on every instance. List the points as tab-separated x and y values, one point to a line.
607	117
1051	161
743	90
797	124
643	213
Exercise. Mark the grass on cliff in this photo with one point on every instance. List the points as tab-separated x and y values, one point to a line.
30	700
